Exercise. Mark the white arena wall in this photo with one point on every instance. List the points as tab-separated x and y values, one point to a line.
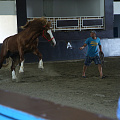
8	26
8	19
111	47
116	6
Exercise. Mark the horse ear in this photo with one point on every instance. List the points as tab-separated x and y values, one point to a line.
26	25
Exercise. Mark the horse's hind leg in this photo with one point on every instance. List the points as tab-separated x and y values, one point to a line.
13	71
2	57
15	62
1	62
36	52
14	75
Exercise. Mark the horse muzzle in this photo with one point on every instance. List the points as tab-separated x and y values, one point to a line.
53	42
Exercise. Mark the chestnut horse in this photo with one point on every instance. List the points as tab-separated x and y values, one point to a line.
26	41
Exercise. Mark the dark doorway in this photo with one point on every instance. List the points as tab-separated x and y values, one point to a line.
116	32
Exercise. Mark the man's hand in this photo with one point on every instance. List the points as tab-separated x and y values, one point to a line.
81	48
101	51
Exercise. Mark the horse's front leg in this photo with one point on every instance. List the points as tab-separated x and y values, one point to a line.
40	65
36	52
21	53
21	67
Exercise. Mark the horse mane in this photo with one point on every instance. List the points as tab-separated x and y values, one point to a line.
37	23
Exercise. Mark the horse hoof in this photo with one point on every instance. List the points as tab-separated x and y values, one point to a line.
17	81
14	78
41	67
21	71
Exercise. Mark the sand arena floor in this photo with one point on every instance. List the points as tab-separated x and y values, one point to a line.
61	82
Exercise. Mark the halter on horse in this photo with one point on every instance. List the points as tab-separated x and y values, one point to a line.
26	41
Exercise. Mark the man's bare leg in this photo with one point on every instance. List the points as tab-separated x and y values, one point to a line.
84	70
100	70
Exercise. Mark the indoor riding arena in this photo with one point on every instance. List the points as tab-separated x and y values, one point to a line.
53	88
62	83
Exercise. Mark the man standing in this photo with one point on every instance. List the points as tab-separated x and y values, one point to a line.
92	54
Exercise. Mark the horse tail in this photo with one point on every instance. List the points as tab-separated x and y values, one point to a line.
4	52
8	63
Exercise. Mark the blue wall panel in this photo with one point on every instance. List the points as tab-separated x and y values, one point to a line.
60	52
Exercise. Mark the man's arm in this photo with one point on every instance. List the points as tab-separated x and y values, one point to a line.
100	47
83	46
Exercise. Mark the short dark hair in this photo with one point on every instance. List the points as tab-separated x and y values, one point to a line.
93	31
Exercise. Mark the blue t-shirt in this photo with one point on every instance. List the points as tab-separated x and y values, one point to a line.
92	46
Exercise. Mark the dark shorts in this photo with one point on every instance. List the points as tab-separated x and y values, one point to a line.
96	60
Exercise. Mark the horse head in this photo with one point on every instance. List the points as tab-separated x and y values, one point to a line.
44	26
47	33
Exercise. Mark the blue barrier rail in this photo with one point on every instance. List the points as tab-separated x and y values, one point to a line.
7	113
